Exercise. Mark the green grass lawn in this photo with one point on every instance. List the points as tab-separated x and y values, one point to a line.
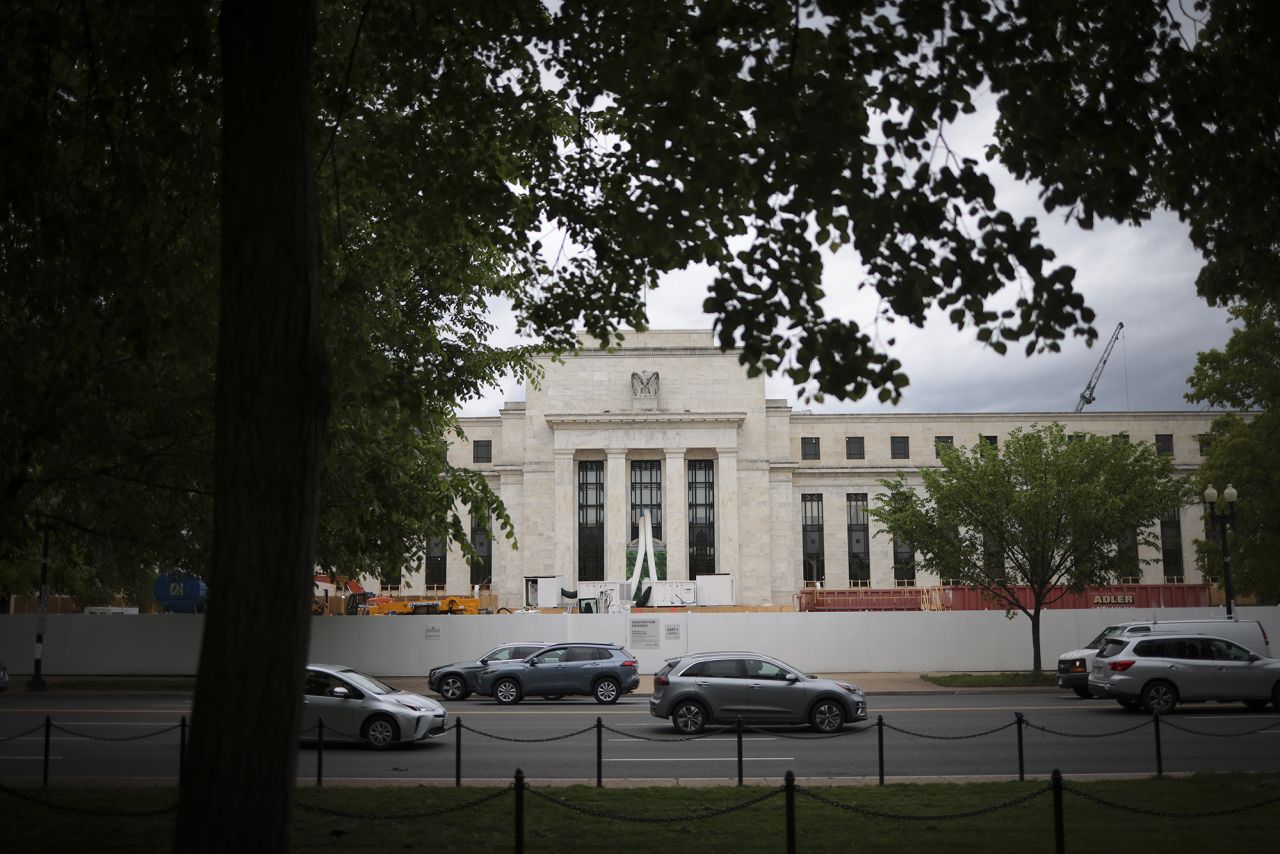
1021	679
430	818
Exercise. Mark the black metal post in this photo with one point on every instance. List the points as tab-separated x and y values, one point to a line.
1155	720
1022	775
739	751
880	744
36	682
790	784
320	752
48	736
1224	522
519	811
599	752
1059	831
457	752
182	747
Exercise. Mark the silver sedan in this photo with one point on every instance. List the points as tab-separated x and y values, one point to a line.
354	705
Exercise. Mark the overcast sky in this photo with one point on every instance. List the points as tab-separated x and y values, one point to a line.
1141	276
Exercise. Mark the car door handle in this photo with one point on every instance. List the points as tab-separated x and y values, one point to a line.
703	684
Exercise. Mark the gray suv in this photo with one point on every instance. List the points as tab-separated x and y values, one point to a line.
457	681
1157	672
695	690
605	671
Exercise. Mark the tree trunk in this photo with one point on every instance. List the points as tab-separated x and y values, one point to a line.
1034	615
271	406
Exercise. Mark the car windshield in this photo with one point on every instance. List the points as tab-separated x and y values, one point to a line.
1112	647
366	683
1097	642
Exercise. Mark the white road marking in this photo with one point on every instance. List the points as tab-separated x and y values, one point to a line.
712	759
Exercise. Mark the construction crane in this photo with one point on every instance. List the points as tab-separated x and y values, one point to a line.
1086	396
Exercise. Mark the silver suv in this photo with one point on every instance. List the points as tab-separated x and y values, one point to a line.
605	671
1156	672
457	681
695	690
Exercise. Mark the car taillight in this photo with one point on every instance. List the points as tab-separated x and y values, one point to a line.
630	662
661	680
1120	666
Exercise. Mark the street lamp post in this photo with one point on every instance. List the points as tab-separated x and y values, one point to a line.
1224	522
36	682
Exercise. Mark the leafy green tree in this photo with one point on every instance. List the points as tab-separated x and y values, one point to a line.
1245	448
1050	512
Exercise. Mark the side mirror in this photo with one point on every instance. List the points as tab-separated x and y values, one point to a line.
791	677
533	662
1253	656
340	692
484	661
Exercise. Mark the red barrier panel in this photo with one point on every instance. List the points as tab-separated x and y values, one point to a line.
976	599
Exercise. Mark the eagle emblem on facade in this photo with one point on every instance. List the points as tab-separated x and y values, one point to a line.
644	383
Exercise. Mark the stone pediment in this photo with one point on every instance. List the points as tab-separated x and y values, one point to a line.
591	420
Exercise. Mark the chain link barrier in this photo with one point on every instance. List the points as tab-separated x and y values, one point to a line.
517	740
669	739
1000	728
85	735
807	736
1165	814
1012	802
1166	722
404	816
662	819
1045	729
98	813
34	729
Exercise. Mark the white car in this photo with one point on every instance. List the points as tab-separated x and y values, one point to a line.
357	706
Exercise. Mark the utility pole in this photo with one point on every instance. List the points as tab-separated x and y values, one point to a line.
36	682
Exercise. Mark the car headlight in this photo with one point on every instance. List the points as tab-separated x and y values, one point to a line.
852	689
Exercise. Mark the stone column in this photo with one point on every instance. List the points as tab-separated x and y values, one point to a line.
617	521
727	513
566	519
675	515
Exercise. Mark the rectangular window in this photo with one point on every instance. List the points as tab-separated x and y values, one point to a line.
1171	547
810	449
993	565
990	440
900	447
811	531
1122	438
1164	444
482	569
646	495
1206	444
702	518
482	451
435	563
938	442
1074	437
591	520
859	544
855	448
904	564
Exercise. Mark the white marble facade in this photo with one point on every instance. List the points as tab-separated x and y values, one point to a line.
673	397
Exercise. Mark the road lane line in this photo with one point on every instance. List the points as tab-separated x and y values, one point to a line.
711	759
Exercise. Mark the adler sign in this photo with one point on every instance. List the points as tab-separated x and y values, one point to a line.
1113	599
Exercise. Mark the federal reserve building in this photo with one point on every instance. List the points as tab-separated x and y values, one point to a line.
664	446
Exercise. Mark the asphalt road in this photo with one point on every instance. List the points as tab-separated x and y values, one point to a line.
112	738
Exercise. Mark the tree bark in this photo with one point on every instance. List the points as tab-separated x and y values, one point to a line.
1035	638
271	406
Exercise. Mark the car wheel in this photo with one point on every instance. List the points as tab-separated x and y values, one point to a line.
607	690
827	716
1082	691
380	731
1131	705
689	717
453	687
1159	698
507	692
553	696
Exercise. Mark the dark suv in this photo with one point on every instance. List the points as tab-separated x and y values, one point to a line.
605	671
457	681
698	689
